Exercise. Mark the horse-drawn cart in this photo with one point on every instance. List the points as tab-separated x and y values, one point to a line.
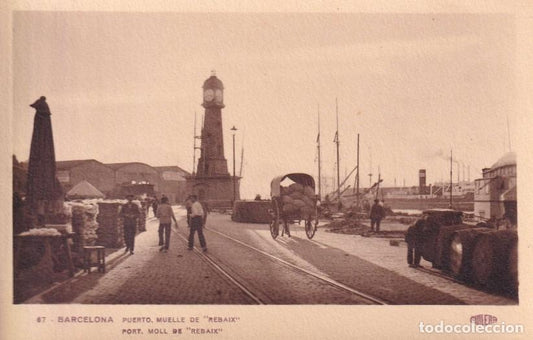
295	202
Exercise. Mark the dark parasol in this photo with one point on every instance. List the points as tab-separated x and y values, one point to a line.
44	195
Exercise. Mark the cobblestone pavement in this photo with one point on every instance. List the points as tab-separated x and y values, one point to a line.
151	277
182	277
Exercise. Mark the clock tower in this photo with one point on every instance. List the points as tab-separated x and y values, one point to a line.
212	182
212	161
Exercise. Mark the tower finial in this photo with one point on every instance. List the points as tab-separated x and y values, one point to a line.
213	72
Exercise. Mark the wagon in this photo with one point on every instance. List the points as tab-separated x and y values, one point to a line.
296	202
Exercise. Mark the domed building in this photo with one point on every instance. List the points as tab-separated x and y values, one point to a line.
495	193
507	161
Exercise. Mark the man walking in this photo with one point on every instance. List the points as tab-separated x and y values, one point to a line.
377	212
130	214
196	224
165	215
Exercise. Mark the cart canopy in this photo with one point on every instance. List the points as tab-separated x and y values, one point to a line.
301	178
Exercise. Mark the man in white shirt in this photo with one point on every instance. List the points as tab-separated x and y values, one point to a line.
197	217
166	215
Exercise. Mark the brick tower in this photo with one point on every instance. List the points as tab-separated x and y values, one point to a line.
212	182
212	161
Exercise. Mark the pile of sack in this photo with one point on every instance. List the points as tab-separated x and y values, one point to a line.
111	232
298	200
84	223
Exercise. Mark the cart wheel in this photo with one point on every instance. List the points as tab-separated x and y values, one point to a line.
311	225
274	224
310	228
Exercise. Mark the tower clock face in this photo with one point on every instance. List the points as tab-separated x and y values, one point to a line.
209	94
218	95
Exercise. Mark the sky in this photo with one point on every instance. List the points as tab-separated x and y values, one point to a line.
126	87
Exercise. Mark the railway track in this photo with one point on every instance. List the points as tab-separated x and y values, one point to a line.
225	273
258	298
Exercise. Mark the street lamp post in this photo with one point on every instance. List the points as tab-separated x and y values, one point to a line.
234	129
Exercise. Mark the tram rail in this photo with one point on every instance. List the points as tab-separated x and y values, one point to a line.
210	259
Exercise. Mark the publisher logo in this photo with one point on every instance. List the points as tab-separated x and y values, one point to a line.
479	324
483	319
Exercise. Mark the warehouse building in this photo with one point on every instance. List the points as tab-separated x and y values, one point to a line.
70	173
108	178
135	172
173	182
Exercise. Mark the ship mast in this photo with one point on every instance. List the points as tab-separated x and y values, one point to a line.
319	162
451	178
357	174
194	146
379	180
337	142
370	172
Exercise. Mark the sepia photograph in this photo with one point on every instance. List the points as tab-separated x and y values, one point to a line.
194	173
